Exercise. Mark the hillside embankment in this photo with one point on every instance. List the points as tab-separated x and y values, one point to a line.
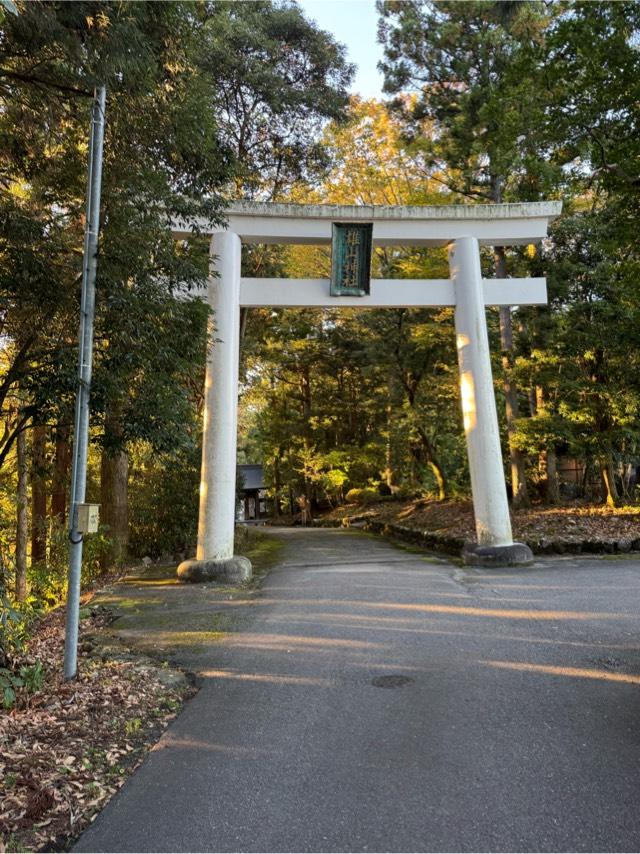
575	528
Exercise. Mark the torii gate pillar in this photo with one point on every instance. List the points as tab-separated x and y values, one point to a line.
493	524
215	559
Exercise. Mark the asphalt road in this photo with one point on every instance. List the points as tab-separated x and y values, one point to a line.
375	701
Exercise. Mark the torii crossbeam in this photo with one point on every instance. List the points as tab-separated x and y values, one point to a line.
460	227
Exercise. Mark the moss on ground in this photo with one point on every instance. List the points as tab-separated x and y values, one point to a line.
158	614
196	620
193	640
122	603
263	550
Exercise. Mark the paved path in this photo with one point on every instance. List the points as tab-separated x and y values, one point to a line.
514	723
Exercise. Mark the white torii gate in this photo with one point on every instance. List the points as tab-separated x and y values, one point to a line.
463	229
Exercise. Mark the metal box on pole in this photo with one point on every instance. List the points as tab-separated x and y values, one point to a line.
88	518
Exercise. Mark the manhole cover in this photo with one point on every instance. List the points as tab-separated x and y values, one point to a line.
393	680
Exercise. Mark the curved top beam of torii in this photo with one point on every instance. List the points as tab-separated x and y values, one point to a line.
393	225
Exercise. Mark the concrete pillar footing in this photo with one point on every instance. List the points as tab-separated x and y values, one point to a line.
234	569
514	554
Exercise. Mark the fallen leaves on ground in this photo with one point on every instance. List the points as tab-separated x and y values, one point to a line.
65	750
570	523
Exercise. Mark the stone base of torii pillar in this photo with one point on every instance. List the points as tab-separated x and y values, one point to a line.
232	569
513	554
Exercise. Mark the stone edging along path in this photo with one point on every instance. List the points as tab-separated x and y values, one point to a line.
453	545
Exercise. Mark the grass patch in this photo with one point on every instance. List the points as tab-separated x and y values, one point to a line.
263	550
194	639
152	572
218	622
129	604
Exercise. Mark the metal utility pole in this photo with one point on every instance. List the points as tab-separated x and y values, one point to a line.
85	357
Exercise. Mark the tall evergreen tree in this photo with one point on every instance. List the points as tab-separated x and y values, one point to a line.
278	79
163	160
471	70
585	348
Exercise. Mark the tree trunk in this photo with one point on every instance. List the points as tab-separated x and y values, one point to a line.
277	504
61	474
244	317
628	482
434	464
38	495
388	473
608	482
114	477
548	460
440	479
114	481
584	482
22	521
518	478
547	466
553	484
305	397
393	460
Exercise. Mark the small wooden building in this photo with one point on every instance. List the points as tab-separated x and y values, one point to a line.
251	493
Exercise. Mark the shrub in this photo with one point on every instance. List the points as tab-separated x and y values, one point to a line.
48	580
362	496
15	621
28	680
163	507
15	627
403	493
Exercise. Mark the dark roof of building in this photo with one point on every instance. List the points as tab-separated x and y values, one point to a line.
252	477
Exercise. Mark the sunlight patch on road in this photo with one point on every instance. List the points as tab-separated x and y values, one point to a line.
555	670
170	741
271	678
414	625
457	610
277	641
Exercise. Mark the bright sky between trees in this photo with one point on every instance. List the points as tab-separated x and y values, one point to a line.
354	23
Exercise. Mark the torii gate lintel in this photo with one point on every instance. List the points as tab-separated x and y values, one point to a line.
464	229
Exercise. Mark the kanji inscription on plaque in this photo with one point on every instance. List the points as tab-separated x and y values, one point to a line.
351	259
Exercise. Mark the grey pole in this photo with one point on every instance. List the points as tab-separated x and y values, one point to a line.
85	357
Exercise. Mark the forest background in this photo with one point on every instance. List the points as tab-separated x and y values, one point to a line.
207	102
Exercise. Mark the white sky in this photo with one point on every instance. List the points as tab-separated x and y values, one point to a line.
354	23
